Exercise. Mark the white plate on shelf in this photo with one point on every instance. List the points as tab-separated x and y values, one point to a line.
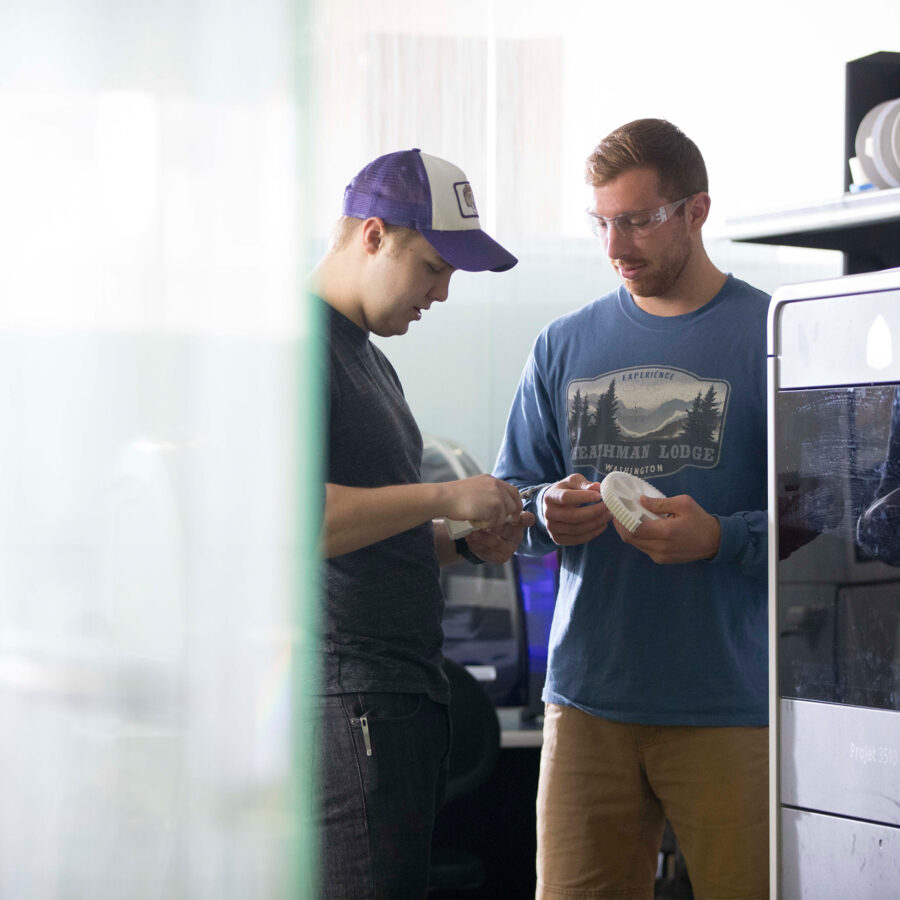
882	143
865	146
895	139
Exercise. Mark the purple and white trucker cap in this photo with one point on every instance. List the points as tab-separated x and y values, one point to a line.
414	190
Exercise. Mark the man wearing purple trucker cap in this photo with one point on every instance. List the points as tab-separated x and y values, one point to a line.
415	190
656	696
383	730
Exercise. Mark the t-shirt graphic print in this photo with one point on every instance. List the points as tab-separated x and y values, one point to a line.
647	421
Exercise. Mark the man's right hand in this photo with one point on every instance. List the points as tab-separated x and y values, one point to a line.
573	511
484	501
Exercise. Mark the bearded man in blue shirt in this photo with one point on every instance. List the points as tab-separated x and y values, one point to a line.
656	693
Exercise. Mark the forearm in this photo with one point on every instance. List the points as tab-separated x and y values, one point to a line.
358	517
744	541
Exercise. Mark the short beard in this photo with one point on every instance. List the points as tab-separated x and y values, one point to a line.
666	276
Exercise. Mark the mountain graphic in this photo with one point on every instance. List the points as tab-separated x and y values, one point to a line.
671	429
638	421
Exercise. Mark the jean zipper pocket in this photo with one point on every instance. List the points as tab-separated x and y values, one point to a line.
364	725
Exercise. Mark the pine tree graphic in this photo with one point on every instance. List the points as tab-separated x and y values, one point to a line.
702	419
606	410
578	416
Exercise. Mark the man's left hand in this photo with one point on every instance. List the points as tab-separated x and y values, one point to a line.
686	534
497	545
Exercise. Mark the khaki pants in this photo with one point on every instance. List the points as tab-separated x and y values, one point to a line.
606	789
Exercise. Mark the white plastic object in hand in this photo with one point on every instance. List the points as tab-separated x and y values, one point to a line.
621	492
459	528
463	528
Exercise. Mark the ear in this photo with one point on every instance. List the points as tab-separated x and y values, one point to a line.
373	235
698	211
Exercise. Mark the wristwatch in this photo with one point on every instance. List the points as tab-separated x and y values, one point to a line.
462	549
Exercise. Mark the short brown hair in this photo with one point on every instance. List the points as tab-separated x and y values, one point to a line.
650	143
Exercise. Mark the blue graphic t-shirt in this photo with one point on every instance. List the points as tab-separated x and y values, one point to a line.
680	402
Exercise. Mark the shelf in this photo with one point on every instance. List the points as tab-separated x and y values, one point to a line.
873	207
865	225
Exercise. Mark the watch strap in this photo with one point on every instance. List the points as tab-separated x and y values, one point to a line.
462	549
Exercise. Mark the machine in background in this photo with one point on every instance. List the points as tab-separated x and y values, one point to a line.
834	580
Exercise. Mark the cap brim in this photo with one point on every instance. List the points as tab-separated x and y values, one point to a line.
471	250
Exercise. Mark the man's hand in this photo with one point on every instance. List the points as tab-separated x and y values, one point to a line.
687	534
497	545
484	500
574	511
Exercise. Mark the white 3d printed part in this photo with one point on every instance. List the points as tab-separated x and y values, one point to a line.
620	492
459	528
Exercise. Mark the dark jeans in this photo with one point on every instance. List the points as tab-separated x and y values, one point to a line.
382	762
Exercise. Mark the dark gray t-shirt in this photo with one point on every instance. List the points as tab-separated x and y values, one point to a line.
382	622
